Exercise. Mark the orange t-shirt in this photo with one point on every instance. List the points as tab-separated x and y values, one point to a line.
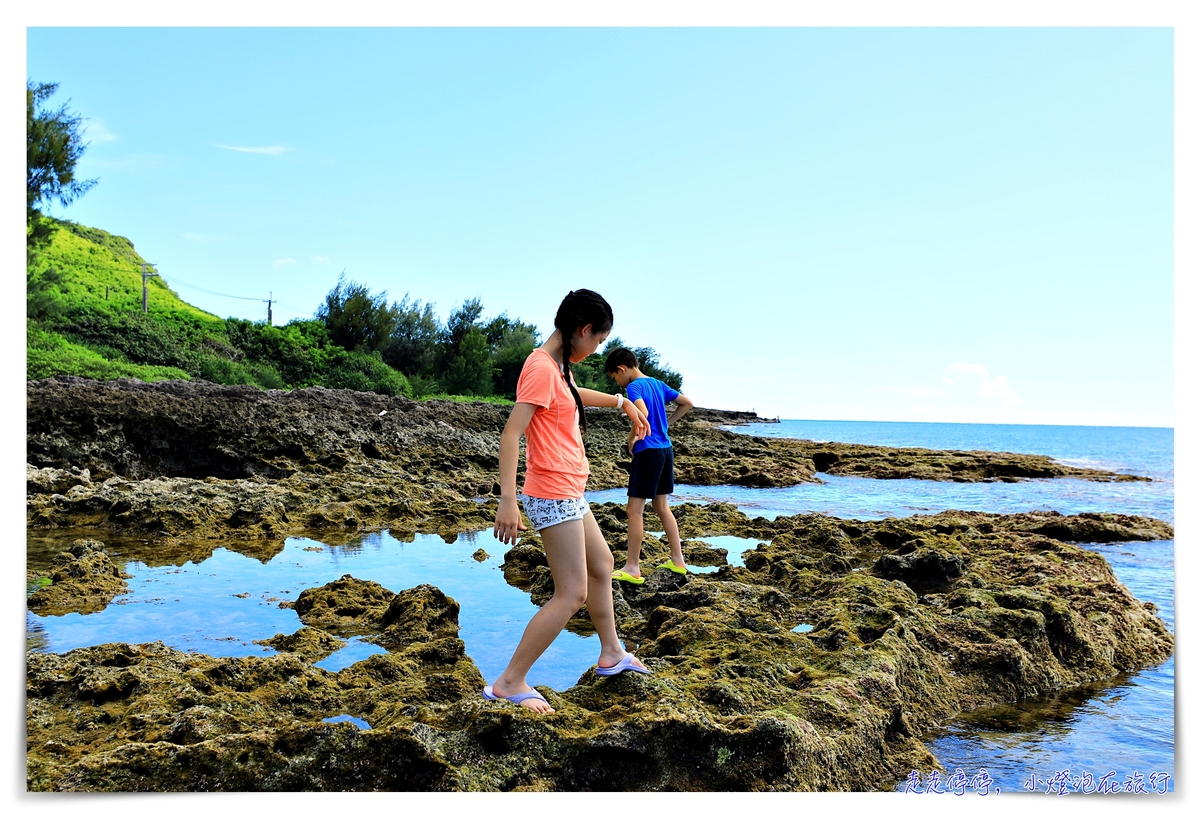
556	466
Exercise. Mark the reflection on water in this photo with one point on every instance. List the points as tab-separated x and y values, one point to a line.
222	604
355	651
1125	725
864	498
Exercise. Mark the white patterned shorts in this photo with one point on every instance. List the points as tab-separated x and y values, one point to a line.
545	513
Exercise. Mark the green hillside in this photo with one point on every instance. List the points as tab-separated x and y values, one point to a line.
84	294
85	316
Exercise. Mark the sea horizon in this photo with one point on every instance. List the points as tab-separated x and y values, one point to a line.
781	419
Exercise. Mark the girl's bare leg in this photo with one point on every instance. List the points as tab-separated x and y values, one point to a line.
663	509
599	597
636	528
565	553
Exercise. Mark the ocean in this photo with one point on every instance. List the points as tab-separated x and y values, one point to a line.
1120	733
1117	734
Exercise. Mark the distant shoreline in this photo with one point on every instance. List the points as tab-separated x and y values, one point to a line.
728	417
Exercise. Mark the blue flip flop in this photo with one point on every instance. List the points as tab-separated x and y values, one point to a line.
620	667
515	698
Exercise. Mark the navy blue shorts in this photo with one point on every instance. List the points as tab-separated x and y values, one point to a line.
653	473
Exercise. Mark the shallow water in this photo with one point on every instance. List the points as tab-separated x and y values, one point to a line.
222	605
219	601
1124	727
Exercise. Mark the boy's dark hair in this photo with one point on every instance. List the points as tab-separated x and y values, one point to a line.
578	309
620	357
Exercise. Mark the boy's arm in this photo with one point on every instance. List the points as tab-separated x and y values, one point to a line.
683	405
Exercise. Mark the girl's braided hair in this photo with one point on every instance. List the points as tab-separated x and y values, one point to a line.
578	309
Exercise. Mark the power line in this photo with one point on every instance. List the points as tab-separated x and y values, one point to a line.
175	280
292	308
276	301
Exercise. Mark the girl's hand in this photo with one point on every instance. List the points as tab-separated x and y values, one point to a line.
508	522
641	427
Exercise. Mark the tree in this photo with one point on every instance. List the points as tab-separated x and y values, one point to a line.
470	372
590	373
53	148
461	321
413	347
357	320
649	363
511	351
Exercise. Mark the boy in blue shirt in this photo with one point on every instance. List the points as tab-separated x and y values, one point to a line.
653	474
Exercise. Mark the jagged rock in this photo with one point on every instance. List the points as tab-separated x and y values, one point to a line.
345	606
912	621
82	580
310	644
192	458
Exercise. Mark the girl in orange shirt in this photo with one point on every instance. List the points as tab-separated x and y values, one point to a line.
549	413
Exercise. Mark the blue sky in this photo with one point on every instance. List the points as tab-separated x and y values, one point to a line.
941	224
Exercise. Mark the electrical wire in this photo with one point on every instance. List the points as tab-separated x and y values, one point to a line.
175	280
274	301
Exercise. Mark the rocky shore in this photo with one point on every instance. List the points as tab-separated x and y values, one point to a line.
195	459
814	665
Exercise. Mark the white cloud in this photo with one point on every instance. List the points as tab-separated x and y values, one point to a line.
94	131
279	262
960	370
996	391
973	385
270	149
320	259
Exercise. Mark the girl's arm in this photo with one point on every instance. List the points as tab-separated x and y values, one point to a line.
508	516
591	397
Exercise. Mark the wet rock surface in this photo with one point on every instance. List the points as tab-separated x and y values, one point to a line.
81	580
738	700
909	621
196	459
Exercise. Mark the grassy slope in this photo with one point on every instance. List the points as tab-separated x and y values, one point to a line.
100	273
85	318
103	272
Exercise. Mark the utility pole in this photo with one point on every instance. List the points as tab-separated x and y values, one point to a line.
145	298
268	302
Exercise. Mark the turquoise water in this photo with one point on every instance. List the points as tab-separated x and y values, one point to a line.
222	604
1126	727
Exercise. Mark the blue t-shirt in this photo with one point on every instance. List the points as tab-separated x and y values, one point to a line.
656	395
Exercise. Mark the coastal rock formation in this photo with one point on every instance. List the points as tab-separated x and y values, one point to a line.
80	580
813	665
192	458
811	668
309	644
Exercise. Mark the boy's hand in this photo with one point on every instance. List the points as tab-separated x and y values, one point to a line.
508	521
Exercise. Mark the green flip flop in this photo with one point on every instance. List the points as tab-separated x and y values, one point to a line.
625	576
670	566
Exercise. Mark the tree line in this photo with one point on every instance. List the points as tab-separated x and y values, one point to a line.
356	339
468	355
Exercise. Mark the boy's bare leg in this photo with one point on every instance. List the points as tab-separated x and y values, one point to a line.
663	509
566	554
636	528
